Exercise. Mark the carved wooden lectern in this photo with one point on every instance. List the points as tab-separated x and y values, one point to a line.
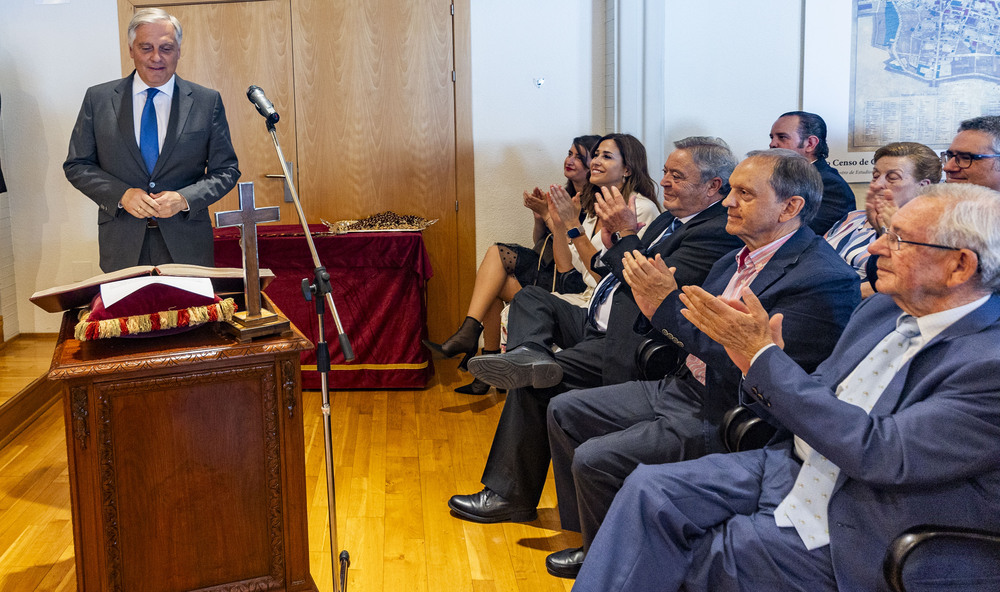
186	461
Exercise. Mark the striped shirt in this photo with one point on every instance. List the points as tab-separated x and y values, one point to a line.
850	238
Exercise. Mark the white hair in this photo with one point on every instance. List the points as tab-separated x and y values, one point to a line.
148	16
970	220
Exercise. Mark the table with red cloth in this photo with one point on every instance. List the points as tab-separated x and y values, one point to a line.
378	284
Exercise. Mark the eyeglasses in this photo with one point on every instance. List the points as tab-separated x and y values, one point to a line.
964	159
893	241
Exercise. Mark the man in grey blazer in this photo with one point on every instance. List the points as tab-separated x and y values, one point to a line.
153	152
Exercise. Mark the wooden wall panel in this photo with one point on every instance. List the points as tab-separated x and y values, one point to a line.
375	102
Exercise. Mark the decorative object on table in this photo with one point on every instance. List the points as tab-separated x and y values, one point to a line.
255	321
148	300
388	221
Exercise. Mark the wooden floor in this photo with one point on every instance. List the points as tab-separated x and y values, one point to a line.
22	360
399	455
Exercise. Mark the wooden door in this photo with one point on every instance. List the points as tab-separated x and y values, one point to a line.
371	115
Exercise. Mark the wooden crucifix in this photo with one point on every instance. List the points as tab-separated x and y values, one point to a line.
247	218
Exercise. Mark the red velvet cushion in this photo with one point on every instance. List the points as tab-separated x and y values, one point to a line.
149	299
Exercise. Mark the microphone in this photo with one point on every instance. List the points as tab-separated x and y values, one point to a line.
264	106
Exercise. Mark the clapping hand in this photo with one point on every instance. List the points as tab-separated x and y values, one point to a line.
563	209
880	207
742	327
537	202
650	279
616	214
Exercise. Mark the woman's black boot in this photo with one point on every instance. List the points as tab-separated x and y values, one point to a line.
464	341
477	387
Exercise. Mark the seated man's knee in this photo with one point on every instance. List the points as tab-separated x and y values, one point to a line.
594	458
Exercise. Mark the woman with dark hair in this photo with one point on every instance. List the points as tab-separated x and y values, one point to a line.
563	212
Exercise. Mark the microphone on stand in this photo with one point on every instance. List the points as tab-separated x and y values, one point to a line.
264	106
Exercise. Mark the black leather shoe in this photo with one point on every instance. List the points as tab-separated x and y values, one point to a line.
565	563
488	507
521	366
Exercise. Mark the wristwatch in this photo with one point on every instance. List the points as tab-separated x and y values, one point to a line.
615	238
574	232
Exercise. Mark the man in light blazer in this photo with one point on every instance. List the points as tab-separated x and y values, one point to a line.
903	418
153	151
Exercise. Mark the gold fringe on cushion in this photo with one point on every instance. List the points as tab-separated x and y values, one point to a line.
135	325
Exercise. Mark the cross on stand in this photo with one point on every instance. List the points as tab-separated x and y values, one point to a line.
254	321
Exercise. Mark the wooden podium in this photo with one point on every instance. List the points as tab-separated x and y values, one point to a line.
186	461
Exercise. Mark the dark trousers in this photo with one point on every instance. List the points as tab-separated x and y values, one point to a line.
599	436
154	250
519	456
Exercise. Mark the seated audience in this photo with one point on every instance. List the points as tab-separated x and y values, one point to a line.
973	157
506	268
598	343
899	427
805	133
599	435
900	169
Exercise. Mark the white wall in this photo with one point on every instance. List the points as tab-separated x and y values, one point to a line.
520	132
731	68
49	55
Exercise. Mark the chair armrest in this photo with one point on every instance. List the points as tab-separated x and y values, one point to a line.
656	359
978	552
741	429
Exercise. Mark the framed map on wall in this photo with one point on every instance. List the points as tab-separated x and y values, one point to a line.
911	71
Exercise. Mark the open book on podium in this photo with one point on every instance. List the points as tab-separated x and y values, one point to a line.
225	280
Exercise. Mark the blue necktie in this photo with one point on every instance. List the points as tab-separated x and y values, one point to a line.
149	136
609	282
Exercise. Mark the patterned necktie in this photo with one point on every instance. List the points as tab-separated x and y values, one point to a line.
149	137
610	281
805	506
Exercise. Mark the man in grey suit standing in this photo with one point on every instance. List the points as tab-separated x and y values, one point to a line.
153	152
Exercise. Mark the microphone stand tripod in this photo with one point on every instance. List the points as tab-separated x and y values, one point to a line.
318	290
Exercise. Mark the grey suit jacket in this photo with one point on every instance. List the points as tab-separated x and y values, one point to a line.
197	160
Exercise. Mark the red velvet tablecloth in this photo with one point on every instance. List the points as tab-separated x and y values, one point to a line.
379	288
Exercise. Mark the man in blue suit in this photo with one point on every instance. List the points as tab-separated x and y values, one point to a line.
598	436
153	152
899	427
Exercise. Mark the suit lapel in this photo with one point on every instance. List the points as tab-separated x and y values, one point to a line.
787	255
122	105
180	107
655	229
705	215
975	321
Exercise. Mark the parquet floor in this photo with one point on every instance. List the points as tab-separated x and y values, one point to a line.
399	455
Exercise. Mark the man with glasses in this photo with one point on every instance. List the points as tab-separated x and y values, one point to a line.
974	154
973	157
899	427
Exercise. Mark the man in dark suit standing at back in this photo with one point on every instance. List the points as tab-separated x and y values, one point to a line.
805	133
153	152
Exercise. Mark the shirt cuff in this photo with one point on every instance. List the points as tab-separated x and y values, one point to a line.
760	351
